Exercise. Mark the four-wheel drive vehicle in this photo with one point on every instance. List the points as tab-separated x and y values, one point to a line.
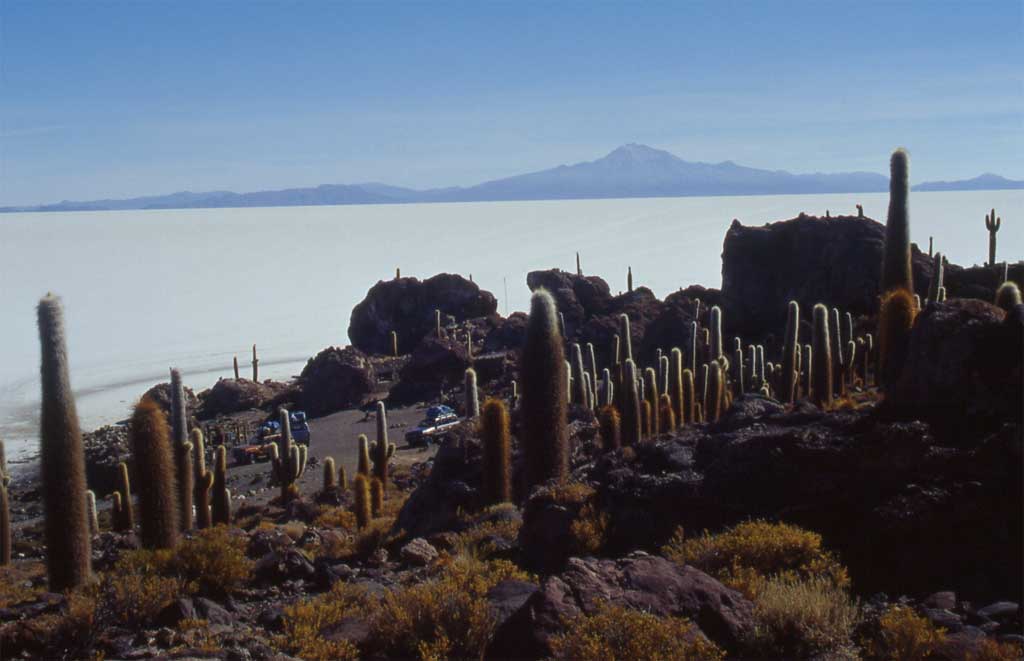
258	449
440	419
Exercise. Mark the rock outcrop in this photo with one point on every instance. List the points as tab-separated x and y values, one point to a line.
578	297
434	364
231	396
335	379
406	306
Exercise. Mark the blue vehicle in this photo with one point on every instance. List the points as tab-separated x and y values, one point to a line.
258	449
434	427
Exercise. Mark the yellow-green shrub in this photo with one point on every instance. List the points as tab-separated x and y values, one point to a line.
990	650
615	632
140	585
798	618
479	541
21	581
903	635
336	517
214	559
743	556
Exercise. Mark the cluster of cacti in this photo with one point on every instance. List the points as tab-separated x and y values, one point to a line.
992	224
497	448
288	459
5	510
381	450
62	460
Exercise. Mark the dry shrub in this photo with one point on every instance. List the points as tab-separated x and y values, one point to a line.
903	635
294	529
482	541
798	618
139	586
305	622
335	517
589	530
569	493
744	556
615	632
21	582
990	650
214	559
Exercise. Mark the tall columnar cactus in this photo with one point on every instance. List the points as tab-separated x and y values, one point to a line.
738	371
393	336
607	389
689	398
936	283
753	378
330	476
835	325
124	515
376	498
62	463
437	324
5	510
610	428
866	355
497	453
472	394
645	418
361	504
1008	296
716	333
588	392
632	413
592	364
694	331
860	211
760	365
849	358
469	345
807	364
629	278
542	372
616	350
159	518
941	297
666	414
342	479
895	320
93	515
992	224
663	370
236	368
675	385
289	461
381	450
931	245
579	269
186	484
203	480
896	269
652	397
716	392
579	392
790	343
255	366
514	400
821	374
182	455
627	337
364	456
220	506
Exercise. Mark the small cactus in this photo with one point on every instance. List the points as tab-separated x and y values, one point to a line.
255	366
203	480
632	413
514	401
790	346
497	453
592	364
937	277
472	395
330	476
992	224
716	333
579	269
364	456
437	324
381	450
610	427
90	507
666	415
220	506
376	498
361	505
738	373
896	268
675	386
629	278
607	389
715	391
62	459
652	398
821	374
616	357
895	320
627	337
689	397
394	343
663	370
236	367
860	211
1008	296
158	498
579	393
645	419
124	516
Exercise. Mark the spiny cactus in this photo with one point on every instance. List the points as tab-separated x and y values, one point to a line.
186	485
514	400
542	371
220	506
398	272
866	356
760	364
394	343
159	517
588	392
579	393
1008	296
497	453
835	335
62	461
361	505
627	337
592	364
203	480
376	498
469	345
364	456
992	224
693	345
632	413
616	357
568	383
437	324
255	366
931	246
342	479
629	278
666	415
821	374
738	370
645	418
663	369
895	320
716	333
652	398
607	389
5	510
236	367
753	377
90	508
937	277
849	356
124	516
289	460
689	397
381	450
472	394
675	386
329	475
807	364
789	352
896	269
610	428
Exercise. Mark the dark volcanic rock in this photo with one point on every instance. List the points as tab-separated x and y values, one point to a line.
231	396
963	370
105	448
509	333
434	364
406	306
578	297
335	379
639	581
161	396
642	307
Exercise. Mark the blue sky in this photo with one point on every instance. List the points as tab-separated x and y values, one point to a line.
123	99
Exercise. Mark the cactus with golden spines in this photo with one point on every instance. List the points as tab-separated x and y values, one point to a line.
992	224
610	428
497	453
821	375
376	498
472	394
220	505
363	467
159	518
361	504
342	479
666	414
330	476
895	321
203	480
632	409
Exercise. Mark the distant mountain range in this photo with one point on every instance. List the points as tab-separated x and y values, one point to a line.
630	171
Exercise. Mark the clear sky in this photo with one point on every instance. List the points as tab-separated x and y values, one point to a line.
123	99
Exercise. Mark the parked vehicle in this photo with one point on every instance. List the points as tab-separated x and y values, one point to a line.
258	448
434	427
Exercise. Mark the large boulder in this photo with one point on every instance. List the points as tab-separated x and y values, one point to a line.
435	363
963	369
578	297
639	581
836	261
335	379
508	334
406	306
234	395
161	396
